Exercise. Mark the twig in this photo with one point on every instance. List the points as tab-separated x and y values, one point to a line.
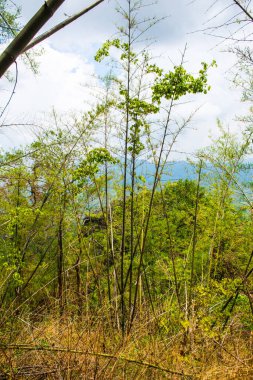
243	9
13	91
229	353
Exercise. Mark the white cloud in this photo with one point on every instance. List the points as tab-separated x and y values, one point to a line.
60	84
68	64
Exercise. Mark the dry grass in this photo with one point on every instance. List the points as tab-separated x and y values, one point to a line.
92	349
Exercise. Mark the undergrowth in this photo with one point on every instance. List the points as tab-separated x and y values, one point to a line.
93	348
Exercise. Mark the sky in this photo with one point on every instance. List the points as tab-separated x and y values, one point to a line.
67	69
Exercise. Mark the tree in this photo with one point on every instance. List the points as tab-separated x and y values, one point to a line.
236	32
8	16
136	109
236	27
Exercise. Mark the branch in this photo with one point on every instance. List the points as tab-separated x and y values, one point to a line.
60	26
243	9
12	93
19	43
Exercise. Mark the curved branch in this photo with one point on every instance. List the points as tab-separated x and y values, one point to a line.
60	26
243	9
12	93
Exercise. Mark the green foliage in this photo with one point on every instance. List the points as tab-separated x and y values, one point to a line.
105	49
91	164
77	239
9	14
177	83
39	194
126	52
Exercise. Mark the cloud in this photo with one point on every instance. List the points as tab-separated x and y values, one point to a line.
91	28
60	84
68	63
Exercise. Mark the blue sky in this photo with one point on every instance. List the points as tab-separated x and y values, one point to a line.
67	67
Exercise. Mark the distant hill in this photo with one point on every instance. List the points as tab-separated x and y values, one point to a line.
173	171
176	170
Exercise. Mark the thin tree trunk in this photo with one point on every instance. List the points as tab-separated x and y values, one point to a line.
122	250
155	183
16	236
171	248
61	277
60	267
108	251
194	239
79	287
131	233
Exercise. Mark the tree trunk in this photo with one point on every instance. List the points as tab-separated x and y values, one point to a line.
19	43
60	268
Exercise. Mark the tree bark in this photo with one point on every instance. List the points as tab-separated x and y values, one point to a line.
27	33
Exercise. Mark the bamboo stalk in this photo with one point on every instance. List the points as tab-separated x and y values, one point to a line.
19	43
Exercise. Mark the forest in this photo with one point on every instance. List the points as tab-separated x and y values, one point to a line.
111	270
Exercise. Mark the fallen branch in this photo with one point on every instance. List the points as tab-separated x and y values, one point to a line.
97	354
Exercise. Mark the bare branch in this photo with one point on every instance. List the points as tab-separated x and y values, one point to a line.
60	26
13	91
243	9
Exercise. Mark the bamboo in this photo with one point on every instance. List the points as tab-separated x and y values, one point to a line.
16	47
123	242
